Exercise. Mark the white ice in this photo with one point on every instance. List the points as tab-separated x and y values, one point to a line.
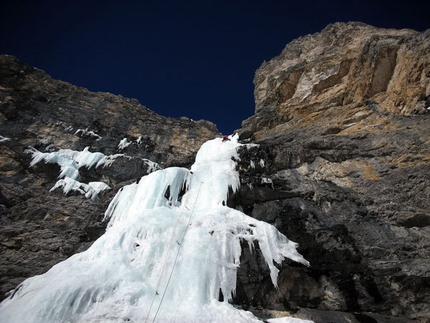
88	133
124	143
4	139
90	190
171	245
70	161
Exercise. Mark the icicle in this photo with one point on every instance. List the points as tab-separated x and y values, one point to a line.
171	242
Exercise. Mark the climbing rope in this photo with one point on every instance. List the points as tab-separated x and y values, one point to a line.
179	249
163	268
167	256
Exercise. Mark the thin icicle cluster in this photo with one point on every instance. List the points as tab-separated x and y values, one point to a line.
124	143
90	190
70	161
4	139
171	246
87	133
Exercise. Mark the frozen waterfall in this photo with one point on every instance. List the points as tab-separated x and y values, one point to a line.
170	246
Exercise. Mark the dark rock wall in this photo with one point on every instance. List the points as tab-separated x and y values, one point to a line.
344	134
39	228
35	107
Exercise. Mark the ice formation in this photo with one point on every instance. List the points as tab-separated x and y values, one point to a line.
124	143
87	133
70	161
170	247
4	139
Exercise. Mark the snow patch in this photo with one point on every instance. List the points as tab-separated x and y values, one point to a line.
265	180
4	139
124	143
86	133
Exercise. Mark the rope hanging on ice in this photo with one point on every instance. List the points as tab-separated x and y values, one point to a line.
179	249
116	278
168	253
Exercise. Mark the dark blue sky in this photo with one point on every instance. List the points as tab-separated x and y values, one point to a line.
178	58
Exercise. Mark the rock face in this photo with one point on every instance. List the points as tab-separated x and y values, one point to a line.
39	228
343	168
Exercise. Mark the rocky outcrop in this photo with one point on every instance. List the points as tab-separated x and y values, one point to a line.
39	228
342	122
344	74
40	108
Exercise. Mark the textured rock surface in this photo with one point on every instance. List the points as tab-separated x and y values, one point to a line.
342	168
38	228
343	124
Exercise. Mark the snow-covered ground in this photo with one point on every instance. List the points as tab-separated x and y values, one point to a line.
171	246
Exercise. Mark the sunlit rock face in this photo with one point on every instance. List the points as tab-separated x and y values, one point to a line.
342	118
336	78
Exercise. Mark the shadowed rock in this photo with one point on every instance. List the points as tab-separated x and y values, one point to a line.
343	125
39	228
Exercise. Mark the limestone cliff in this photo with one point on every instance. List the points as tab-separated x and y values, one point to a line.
343	122
342	167
39	228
